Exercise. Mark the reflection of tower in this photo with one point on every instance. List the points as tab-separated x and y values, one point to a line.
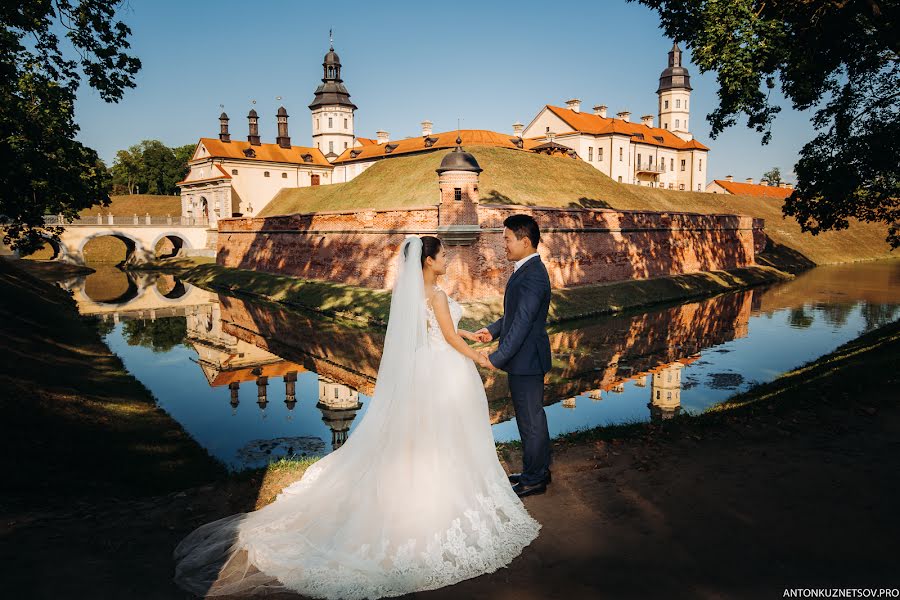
596	395
234	386
665	392
569	402
290	389
339	404
262	382
641	381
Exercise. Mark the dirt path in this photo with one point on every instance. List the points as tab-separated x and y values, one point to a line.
743	511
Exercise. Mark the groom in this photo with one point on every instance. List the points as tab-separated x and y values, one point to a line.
524	350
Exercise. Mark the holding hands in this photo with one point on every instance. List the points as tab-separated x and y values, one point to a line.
482	336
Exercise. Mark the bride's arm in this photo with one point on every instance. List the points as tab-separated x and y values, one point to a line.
442	312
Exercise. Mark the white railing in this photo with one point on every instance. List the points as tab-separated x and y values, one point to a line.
132	221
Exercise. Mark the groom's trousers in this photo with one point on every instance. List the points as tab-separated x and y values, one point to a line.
528	400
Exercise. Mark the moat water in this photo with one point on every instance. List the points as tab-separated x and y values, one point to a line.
253	382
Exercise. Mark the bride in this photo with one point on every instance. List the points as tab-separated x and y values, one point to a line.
416	499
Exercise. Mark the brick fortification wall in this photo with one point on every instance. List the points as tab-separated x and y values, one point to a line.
579	246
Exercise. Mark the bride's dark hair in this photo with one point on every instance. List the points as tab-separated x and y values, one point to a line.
430	247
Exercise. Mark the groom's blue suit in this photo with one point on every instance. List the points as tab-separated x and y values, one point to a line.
524	353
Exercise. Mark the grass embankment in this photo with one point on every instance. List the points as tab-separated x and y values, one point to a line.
75	421
516	177
861	375
373	306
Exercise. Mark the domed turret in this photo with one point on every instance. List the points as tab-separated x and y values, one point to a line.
674	94
674	76
332	110
459	160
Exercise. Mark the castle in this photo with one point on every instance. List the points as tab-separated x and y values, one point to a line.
235	177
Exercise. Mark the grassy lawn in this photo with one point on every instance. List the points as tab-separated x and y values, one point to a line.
137	204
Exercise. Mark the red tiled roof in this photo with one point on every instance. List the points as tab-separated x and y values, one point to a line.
264	152
366	141
224	175
640	133
754	189
447	139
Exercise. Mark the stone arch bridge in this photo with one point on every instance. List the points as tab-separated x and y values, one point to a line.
189	236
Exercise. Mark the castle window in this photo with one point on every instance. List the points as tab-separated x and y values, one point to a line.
683	164
666	103
671	164
317	123
329	123
678	103
620	179
265	174
685	124
284	175
457	194
590	153
671	186
345	123
547	130
234	171
700	165
331	146
677	123
345	145
620	155
639	160
599	154
665	125
681	186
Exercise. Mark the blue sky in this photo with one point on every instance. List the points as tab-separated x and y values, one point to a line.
487	63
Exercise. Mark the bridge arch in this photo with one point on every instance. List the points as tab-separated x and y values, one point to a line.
134	248
61	252
178	240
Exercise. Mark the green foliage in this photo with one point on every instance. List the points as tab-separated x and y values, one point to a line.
773	175
843	58
45	170
150	167
160	335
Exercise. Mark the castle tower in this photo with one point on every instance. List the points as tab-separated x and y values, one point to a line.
665	393
253	121
458	211
223	129
674	96
332	111
283	139
339	405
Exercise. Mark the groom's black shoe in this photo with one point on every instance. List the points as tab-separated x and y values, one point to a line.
514	478
523	490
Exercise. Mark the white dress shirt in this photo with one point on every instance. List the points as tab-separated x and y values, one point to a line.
522	261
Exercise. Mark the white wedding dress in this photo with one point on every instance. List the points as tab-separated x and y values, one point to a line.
416	499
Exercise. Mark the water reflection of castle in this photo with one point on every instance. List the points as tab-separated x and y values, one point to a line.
665	389
227	360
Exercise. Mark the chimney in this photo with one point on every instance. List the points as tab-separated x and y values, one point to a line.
763	181
748	180
729	178
383	137
624	115
574	104
647	120
550	136
223	129
600	110
518	128
789	186
253	136
426	128
283	139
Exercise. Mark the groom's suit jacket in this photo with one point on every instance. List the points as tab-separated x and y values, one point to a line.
524	345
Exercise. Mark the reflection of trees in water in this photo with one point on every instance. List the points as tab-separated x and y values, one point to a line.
160	335
104	326
799	318
876	315
836	314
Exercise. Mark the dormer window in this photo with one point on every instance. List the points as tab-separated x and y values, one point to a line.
355	153
429	141
307	157
517	142
388	148
658	138
457	194
250	153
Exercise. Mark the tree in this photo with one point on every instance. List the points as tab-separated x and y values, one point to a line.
773	175
151	167
45	170
841	57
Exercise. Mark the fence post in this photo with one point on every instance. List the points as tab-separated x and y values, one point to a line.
99	219
147	219
168	219
109	219
135	219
